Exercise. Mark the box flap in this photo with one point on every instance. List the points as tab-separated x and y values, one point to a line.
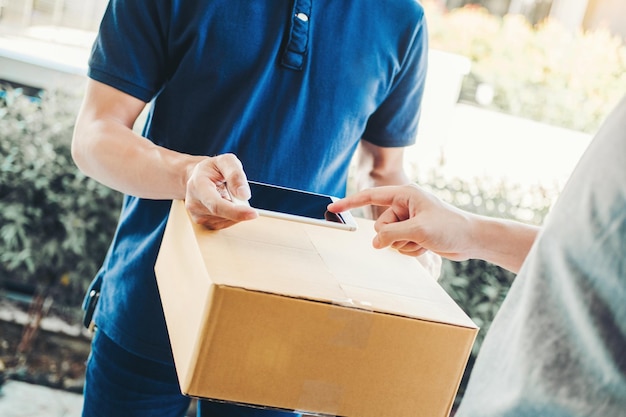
323	264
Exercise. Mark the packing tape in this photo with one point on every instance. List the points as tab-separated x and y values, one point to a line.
353	321
351	303
320	395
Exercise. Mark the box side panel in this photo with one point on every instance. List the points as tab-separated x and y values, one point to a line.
184	287
291	353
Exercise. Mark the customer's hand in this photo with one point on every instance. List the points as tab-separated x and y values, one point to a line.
211	183
415	221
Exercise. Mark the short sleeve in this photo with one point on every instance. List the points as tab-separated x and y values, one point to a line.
130	51
395	121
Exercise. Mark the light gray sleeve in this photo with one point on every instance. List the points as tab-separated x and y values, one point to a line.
558	344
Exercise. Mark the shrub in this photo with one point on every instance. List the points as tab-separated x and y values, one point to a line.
55	223
542	72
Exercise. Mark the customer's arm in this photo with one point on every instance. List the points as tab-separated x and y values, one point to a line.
416	221
106	148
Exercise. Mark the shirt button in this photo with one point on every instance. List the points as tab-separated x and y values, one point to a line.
302	16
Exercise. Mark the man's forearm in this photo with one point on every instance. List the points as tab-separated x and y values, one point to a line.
106	148
119	158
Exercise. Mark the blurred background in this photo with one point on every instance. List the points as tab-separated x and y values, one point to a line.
515	91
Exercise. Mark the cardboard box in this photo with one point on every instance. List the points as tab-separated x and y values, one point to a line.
300	317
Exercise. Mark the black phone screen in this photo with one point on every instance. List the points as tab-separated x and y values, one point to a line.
290	201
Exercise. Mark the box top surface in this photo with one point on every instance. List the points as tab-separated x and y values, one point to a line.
319	263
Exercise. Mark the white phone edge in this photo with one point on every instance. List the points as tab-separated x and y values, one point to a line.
350	224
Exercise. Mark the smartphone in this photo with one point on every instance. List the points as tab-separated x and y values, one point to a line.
297	205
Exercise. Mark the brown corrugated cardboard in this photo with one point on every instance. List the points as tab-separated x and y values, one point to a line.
282	314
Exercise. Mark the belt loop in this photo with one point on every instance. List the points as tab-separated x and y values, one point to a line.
298	42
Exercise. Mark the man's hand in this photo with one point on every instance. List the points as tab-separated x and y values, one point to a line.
209	189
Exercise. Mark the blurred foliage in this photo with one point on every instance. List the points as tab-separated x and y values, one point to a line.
542	72
55	223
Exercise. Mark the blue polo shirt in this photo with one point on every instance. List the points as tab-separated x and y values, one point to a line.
288	86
